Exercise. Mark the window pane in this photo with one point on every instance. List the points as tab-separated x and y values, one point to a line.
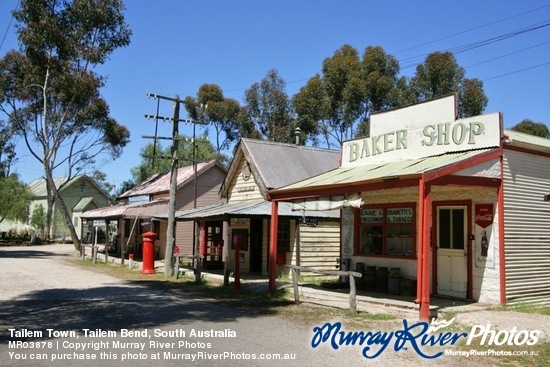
444	228
283	236
458	229
371	240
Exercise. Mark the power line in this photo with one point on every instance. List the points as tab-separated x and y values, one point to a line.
506	55
517	71
466	47
472	29
473	45
8	27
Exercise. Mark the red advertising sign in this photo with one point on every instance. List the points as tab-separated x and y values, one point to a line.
484	215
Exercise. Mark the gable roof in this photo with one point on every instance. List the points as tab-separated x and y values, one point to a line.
83	204
279	164
160	182
38	186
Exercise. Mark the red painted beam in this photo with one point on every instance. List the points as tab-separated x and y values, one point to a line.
273	246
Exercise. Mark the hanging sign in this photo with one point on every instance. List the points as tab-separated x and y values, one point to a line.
347	232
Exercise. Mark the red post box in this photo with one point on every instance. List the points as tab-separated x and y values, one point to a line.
148	252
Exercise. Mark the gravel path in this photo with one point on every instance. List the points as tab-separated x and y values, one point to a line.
40	291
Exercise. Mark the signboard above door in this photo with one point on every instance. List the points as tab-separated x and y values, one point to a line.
421	130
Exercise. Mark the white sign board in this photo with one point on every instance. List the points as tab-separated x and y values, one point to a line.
347	232
416	132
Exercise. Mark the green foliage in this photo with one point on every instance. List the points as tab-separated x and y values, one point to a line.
213	108
52	77
533	128
347	91
7	149
380	72
311	105
441	75
38	218
125	186
343	85
471	99
15	198
438	76
268	108
101	179
50	92
149	166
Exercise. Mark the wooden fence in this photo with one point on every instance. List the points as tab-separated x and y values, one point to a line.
350	274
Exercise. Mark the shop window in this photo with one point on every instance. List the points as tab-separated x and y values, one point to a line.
283	235
386	231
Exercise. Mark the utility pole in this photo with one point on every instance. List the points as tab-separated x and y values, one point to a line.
174	157
171	231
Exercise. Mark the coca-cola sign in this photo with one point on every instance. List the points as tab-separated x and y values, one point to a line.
484	215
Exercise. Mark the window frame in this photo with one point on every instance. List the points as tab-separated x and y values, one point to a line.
283	235
384	224
461	230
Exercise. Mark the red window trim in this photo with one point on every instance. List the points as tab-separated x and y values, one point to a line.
384	207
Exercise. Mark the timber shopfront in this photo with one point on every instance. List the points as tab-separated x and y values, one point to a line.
449	207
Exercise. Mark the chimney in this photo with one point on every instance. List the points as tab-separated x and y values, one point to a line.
297	133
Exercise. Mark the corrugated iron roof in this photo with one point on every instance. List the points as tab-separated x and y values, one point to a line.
353	175
145	209
526	141
160	182
280	164
82	204
38	186
247	208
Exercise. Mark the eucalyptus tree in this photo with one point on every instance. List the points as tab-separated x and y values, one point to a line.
7	149
344	91
340	99
441	75
15	198
51	93
311	105
152	161
381	85
531	127
210	106
380	76
268	108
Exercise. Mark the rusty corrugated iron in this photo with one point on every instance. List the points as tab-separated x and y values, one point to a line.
160	182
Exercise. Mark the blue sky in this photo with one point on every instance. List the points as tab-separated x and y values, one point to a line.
178	45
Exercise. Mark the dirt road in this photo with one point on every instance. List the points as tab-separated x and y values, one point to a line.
54	313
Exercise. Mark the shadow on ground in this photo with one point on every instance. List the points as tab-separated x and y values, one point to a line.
25	254
136	304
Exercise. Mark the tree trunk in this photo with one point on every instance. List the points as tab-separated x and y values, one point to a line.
49	211
63	209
